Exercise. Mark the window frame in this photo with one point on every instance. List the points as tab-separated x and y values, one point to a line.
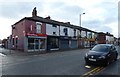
38	27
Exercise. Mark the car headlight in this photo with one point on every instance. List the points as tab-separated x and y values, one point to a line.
102	57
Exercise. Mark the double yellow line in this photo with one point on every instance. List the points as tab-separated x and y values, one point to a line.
93	72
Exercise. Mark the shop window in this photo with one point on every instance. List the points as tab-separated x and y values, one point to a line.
54	42
30	43
42	43
36	43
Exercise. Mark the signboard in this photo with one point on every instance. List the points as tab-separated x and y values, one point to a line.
36	34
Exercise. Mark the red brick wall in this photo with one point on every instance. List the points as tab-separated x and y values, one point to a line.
18	31
23	27
44	28
28	24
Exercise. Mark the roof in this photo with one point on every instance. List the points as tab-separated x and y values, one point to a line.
50	21
105	33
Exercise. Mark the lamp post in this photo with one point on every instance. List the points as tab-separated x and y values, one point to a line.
80	18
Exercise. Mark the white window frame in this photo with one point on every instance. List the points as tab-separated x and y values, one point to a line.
38	27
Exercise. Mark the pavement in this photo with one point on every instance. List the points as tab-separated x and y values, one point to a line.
7	52
4	52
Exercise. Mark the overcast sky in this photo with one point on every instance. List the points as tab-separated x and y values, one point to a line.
100	15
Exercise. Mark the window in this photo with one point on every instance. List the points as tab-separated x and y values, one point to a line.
54	25
38	27
13	41
89	35
54	33
74	32
42	43
93	35
83	33
65	30
113	48
30	43
54	42
31	27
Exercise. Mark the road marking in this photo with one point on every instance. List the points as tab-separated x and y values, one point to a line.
99	70
92	72
88	66
2	54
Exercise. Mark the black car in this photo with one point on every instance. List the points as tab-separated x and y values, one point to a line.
101	54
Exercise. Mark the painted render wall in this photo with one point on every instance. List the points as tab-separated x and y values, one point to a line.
50	29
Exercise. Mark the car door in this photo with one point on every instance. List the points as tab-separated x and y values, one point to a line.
113	53
110	54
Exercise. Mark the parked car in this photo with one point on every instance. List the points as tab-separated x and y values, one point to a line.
101	54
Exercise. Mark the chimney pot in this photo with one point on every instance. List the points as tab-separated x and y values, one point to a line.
34	12
47	17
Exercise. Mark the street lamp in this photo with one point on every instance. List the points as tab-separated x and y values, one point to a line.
80	18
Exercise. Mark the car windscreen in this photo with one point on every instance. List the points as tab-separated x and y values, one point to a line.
100	48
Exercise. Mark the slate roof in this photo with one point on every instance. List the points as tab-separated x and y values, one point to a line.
50	21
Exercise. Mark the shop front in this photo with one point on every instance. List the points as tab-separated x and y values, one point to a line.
52	43
36	42
73	43
64	43
92	42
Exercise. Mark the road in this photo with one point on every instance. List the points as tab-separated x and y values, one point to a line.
55	63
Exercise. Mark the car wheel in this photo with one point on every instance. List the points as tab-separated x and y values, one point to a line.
106	63
115	58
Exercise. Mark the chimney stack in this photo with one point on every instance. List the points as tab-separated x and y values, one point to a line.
48	17
67	23
34	12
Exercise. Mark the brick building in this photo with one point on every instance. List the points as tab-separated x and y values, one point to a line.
44	34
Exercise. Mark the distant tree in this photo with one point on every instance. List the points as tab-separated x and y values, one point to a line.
3	42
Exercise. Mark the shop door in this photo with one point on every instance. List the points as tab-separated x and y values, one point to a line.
37	44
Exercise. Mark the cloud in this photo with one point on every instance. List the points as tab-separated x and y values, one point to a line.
100	15
5	28
97	25
63	12
16	9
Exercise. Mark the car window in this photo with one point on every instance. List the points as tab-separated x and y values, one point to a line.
101	48
113	48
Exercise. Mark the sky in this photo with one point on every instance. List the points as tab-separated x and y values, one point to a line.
100	15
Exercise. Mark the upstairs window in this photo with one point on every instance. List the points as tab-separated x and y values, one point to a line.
65	30
74	32
54	33
54	25
38	27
